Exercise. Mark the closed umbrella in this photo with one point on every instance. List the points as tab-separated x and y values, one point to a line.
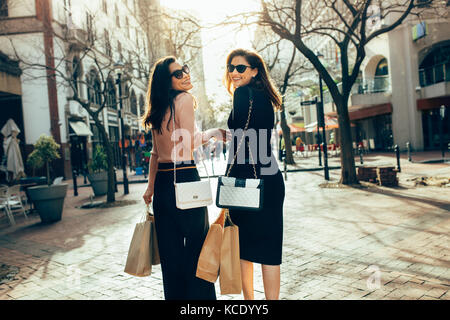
14	162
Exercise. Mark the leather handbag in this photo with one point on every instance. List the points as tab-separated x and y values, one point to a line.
193	194
237	193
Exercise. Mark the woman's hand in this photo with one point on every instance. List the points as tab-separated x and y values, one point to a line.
223	135
148	195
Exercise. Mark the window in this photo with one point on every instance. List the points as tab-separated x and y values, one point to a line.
142	105
94	88
127	25
3	8
116	11
76	75
111	98
105	6
90	27
119	50
108	50
133	102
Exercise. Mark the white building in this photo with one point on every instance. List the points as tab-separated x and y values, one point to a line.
57	33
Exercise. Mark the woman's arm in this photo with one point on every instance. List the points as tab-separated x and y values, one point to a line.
152	169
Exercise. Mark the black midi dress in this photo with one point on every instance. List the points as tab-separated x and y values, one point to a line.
260	233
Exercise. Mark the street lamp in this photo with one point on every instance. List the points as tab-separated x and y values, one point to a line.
321	122
118	67
441	130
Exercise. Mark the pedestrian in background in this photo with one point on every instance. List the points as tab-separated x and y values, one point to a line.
180	233
260	233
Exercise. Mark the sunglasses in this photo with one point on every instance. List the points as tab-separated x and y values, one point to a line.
179	73
240	68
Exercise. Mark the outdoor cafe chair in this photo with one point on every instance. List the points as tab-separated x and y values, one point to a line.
4	204
12	199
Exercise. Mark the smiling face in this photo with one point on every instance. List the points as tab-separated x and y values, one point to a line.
183	84
241	79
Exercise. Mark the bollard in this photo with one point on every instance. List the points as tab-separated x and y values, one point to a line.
74	177
408	148
360	151
397	153
115	181
283	155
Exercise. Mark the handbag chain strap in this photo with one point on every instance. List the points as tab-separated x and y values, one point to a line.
175	150
242	139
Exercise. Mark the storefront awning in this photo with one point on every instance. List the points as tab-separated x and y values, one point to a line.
295	128
363	111
80	128
433	103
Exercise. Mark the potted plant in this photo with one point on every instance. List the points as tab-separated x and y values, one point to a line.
98	175
48	199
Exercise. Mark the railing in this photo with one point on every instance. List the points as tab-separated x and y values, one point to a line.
377	84
434	74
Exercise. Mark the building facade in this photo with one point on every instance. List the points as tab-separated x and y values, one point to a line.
81	42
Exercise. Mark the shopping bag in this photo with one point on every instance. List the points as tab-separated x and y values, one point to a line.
209	259
140	254
230	264
154	241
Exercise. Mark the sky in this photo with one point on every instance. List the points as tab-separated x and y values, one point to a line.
217	42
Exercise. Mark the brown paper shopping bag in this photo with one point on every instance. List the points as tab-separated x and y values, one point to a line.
230	264
143	251
139	260
209	259
154	242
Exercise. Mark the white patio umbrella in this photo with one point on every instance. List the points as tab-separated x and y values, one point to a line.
14	162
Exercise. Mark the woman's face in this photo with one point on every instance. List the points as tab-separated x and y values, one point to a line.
241	79
183	84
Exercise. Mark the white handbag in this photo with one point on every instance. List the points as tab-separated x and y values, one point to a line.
192	194
241	194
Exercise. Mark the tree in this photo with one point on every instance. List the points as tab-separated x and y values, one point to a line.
64	64
285	70
351	25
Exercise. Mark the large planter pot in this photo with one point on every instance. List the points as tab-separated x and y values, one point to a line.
49	201
99	182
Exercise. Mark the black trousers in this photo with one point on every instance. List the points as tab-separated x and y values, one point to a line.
181	234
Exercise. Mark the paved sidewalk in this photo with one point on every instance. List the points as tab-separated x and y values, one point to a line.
347	243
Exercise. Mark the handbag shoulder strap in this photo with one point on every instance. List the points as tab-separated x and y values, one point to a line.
250	95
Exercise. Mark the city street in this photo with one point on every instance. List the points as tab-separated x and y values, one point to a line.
369	242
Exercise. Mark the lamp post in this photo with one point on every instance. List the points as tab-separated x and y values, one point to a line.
441	130
118	66
321	122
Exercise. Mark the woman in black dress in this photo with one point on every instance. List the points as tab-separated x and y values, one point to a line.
260	233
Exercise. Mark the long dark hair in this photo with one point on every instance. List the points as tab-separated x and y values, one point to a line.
262	79
160	94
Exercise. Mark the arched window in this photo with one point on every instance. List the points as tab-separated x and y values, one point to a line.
111	97
133	102
94	88
382	68
381	78
76	72
435	67
142	105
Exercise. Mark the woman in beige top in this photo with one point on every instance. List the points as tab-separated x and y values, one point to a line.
180	233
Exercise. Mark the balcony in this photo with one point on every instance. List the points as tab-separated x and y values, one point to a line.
375	85
78	38
435	74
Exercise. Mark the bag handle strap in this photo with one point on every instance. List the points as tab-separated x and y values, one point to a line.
175	150
250	94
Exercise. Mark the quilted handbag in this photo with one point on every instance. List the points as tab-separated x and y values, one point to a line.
193	194
236	193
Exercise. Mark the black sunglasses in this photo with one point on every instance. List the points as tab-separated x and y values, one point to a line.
179	73
240	68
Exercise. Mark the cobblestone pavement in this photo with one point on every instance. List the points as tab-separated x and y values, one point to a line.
349	243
